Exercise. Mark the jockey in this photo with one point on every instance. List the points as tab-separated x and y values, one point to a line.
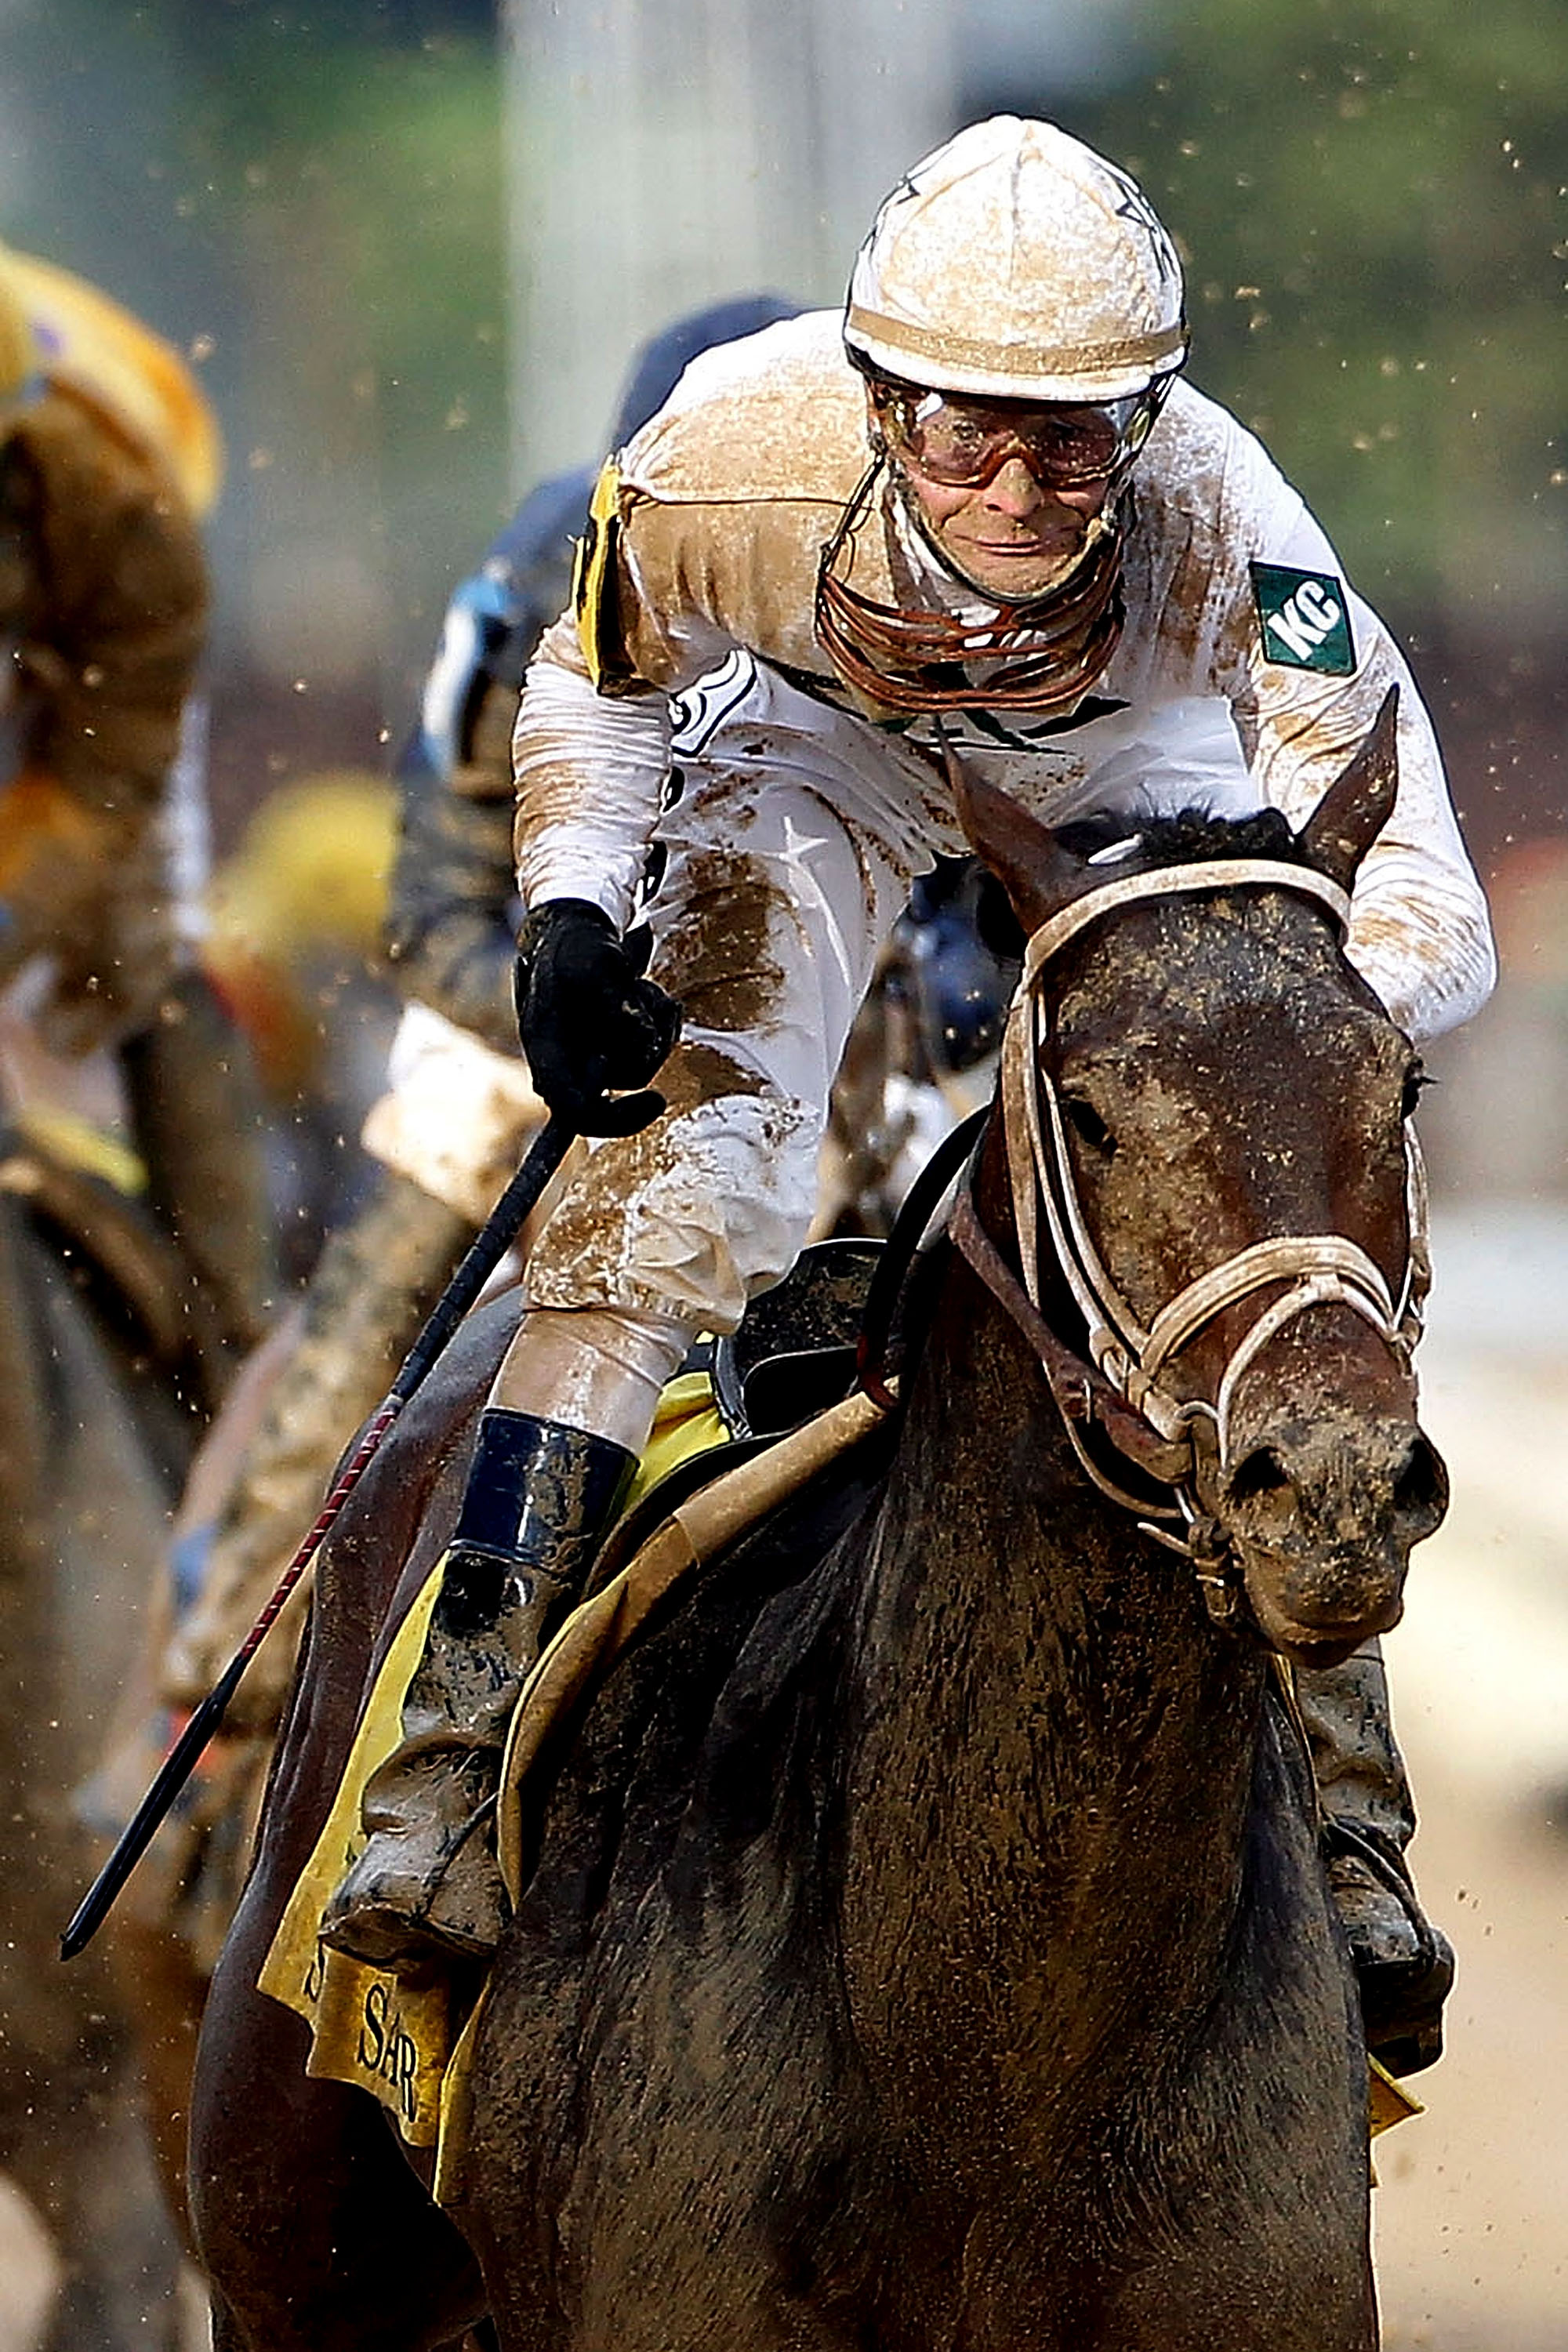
980	505
107	457
448	1130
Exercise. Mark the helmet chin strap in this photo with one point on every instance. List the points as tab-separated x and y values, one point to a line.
1043	655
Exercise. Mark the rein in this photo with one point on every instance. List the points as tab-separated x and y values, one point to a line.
1154	1434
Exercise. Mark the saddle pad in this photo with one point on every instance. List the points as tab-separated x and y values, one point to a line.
407	2045
370	2029
367	2027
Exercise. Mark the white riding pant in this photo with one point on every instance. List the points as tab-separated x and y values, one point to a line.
781	861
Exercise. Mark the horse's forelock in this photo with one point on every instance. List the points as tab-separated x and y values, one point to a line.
1186	837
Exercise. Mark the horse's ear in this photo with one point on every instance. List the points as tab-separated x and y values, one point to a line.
1037	873
1359	803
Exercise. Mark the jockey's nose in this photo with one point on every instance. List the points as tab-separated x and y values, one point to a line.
1014	491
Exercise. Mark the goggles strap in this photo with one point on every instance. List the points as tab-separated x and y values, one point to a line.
1128	422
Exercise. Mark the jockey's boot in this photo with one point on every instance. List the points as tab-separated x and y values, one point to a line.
427	1886
1405	1966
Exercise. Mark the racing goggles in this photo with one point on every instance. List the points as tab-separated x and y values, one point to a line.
964	443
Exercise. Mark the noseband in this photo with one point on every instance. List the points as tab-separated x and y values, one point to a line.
1124	1388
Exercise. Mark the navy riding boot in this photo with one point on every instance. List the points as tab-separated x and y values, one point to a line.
540	1498
1405	1966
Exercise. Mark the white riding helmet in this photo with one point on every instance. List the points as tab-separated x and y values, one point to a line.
1016	264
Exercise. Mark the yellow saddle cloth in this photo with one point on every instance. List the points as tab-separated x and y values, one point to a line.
405	2044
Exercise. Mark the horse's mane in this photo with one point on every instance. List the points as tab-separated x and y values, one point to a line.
1152	837
1185	836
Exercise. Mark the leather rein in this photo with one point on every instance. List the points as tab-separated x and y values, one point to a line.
1122	1389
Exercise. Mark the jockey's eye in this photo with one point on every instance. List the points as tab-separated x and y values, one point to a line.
1416	1079
1087	1124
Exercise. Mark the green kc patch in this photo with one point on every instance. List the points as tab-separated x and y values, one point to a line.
1304	617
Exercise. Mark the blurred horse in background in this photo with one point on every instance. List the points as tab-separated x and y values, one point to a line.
96	1374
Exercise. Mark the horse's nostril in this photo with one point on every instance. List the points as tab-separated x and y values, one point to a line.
1421	1489
1259	1476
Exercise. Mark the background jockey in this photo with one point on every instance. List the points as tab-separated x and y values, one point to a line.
981	501
108	457
450	1131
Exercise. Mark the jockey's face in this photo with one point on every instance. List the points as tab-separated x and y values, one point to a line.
1012	536
1007	489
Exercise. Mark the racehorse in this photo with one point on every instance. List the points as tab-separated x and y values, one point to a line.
926	1942
92	1449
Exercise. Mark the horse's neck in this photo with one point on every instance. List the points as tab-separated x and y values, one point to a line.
1051	1752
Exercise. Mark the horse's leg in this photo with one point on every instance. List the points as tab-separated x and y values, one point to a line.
161	1992
72	2132
1265	2168
314	2227
70	2128
650	2199
159	1988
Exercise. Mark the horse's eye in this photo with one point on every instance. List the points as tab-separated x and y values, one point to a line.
1416	1079
1088	1125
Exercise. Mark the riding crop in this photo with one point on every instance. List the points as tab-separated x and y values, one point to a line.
485	1252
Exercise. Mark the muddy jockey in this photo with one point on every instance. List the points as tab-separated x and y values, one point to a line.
109	460
978	513
459	1108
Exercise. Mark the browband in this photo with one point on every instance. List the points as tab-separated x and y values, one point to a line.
1173	881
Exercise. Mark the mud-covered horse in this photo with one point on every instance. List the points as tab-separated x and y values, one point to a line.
927	1943
93	1445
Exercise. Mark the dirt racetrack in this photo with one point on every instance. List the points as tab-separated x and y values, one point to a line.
1471	2218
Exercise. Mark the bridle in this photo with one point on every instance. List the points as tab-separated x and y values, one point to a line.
1122	1388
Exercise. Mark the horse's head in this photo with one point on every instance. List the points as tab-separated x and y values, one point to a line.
1215	1194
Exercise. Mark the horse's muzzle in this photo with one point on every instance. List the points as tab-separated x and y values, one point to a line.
1322	1517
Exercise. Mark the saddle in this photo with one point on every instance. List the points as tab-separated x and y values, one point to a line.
837	1327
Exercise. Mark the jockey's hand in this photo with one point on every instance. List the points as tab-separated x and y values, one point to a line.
588	1020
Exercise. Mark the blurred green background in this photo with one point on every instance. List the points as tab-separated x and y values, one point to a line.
1369	195
1371	198
412	243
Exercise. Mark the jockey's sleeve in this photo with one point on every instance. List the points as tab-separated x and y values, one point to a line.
591	751
1313	663
590	771
666	589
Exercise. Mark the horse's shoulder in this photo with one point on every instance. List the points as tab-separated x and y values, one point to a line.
681	1760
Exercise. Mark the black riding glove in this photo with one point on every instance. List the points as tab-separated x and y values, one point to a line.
588	1020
